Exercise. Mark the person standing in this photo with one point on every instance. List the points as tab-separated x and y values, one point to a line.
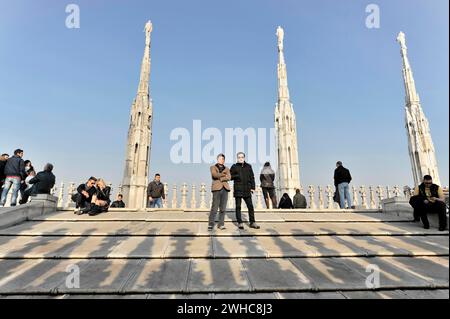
3	158
342	179
299	200
220	175
244	185
83	196
267	178
429	198
15	174
155	193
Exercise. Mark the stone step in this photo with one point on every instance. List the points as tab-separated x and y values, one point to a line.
87	247
358	294
204	276
230	216
121	228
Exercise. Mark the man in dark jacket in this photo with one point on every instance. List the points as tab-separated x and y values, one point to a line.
342	178
267	178
429	198
118	203
155	193
244	186
15	174
83	196
43	182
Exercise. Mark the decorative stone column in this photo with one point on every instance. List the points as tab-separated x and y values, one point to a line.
174	196
355	196
321	203
396	191
70	192
380	196
193	197
372	197
184	192
230	198
61	196
166	195
258	198
362	191
311	192
330	194
388	192
203	195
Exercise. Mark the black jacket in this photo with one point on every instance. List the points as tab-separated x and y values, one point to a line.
267	177
2	170
15	166
285	202
104	194
341	175
156	190
91	191
244	179
118	204
43	182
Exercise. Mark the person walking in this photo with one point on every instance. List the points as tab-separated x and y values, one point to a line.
244	185
342	179
267	178
15	174
429	198
220	175
299	200
155	193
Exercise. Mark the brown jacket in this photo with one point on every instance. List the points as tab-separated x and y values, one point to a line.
220	180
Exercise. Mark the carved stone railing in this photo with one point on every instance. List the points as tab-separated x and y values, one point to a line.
185	196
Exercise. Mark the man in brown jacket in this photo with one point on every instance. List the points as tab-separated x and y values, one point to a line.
220	175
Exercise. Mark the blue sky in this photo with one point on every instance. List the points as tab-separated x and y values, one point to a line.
65	94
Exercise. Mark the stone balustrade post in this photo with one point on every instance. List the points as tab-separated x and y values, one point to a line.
330	194
193	197
396	191
61	196
184	192
372	197
321	203
362	192
311	191
258	197
380	196
203	195
174	196
166	195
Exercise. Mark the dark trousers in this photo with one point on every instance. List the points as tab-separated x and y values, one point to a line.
251	210
219	201
82	202
95	209
269	194
421	210
25	196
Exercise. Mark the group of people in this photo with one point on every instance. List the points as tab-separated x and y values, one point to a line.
19	176
93	198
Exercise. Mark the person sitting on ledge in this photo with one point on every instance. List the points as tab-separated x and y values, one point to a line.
83	196
118	203
429	198
299	200
100	200
285	202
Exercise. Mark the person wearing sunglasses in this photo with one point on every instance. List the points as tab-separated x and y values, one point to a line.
428	199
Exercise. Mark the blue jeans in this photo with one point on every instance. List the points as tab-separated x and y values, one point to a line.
156	202
15	183
344	193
